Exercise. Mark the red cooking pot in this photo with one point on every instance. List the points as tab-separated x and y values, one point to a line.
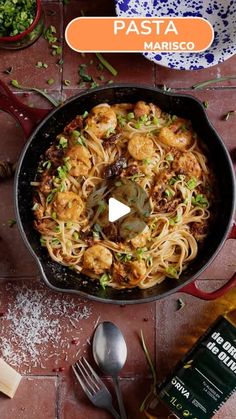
42	126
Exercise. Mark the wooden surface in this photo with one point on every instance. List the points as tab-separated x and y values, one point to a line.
45	392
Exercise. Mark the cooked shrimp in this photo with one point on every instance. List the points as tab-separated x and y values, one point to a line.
137	271
186	163
79	160
142	108
179	140
101	120
68	206
141	239
140	147
97	259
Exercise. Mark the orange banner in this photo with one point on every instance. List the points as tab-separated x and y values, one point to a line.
109	34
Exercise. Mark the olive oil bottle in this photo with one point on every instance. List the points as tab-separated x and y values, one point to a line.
206	377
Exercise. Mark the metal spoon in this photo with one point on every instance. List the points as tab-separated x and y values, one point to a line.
110	353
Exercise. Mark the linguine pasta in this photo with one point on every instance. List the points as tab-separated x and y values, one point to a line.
137	142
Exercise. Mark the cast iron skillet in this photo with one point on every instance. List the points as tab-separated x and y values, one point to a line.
63	279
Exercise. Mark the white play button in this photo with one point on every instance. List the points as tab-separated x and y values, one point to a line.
116	210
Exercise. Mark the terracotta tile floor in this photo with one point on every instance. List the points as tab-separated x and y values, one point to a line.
45	393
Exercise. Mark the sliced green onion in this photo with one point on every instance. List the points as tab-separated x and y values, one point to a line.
106	64
200	201
171	271
63	142
104	279
169	157
192	183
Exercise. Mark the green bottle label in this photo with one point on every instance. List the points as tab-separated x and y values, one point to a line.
206	377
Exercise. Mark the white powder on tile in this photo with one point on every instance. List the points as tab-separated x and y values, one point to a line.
38	326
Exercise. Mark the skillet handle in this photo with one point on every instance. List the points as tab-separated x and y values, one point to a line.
192	289
27	117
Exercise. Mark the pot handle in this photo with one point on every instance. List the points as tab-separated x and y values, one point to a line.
27	117
192	288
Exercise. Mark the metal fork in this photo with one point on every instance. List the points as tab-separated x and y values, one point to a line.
93	386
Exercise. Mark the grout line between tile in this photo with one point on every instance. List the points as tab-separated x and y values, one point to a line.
57	404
